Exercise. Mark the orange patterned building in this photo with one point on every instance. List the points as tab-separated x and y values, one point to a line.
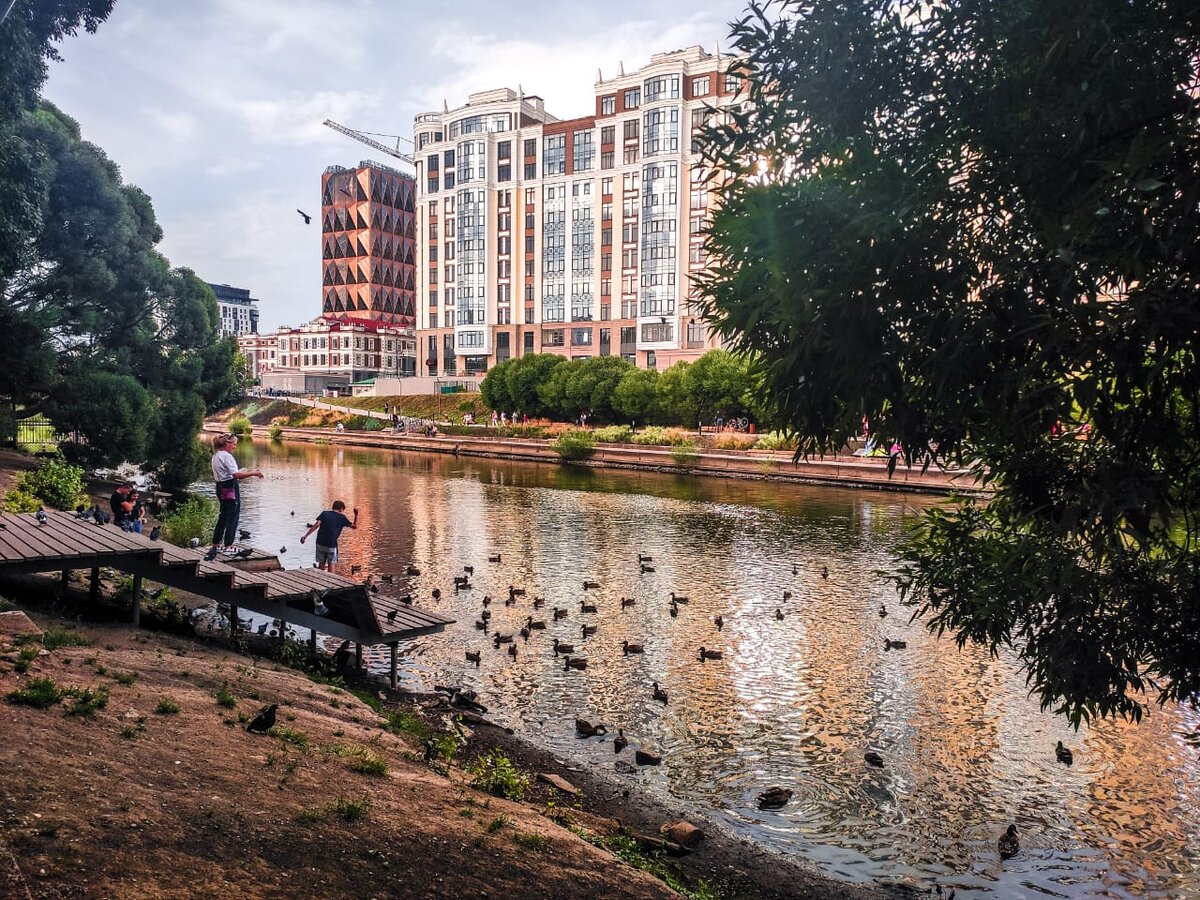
368	227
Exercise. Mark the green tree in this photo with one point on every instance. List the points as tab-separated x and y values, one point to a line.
524	376
494	387
635	398
584	386
977	224
720	382
675	401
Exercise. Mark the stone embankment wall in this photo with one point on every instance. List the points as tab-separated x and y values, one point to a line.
848	471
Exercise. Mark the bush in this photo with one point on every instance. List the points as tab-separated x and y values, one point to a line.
167	707
225	697
275	431
775	440
574	445
190	463
55	483
613	434
734	441
39	693
194	518
669	437
240	426
495	773
684	455
56	636
87	701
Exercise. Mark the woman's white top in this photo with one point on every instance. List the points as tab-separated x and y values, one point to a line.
224	466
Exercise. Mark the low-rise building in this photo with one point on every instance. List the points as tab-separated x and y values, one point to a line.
332	353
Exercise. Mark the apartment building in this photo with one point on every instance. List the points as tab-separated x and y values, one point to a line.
333	353
569	236
367	244
260	352
238	310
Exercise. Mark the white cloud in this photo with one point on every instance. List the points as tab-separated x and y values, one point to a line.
177	125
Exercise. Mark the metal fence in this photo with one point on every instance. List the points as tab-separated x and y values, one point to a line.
39	436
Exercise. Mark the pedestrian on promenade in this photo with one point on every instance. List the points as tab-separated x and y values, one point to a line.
328	526
227	476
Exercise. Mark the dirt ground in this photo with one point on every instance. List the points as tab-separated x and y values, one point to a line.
134	802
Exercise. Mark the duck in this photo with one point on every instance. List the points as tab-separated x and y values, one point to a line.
470	570
591	585
494	559
524	632
355	569
1008	844
644	757
560	647
589	630
574	662
586	607
787	595
659	694
511	601
719	621
516	591
795	569
473	656
774	798
412	571
627	601
1064	754
628	648
461	581
481	625
437	594
620	742
873	759
645	559
778	615
824	571
709	654
487	601
674	610
539	602
586	729
677	599
646	570
512	650
559	613
882	611
894	645
387	578
502	639
485	615
534	626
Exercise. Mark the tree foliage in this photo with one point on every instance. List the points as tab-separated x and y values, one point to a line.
107	340
976	223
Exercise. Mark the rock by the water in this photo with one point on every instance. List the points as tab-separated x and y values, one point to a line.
647	757
682	832
774	798
624	768
561	783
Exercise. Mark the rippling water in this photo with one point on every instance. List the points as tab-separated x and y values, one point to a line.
792	703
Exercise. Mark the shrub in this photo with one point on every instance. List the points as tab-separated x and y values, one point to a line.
775	440
225	697
194	518
684	455
56	636
734	441
495	773
275	431
670	437
613	434
167	707
39	693
574	445
497	823
240	426
368	763
352	810
87	701
21	501
290	735
55	483
25	659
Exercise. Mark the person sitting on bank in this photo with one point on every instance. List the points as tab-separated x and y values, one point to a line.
328	526
122	507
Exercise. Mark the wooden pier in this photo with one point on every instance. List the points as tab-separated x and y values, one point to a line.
67	542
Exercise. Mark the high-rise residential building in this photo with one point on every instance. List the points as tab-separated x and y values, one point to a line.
367	244
238	310
574	236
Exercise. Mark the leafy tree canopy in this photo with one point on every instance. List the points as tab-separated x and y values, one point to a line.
976	223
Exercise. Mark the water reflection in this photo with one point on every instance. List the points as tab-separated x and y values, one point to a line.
793	702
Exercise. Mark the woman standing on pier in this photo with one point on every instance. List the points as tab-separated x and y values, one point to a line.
229	495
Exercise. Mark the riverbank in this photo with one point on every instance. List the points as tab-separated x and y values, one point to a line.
337	801
847	471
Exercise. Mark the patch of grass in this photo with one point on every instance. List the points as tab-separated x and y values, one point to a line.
574	445
125	677
369	764
55	636
87	700
225	697
628	850
408	723
310	816
533	841
352	810
496	824
290	736
684	455
495	773
467	813
40	693
167	707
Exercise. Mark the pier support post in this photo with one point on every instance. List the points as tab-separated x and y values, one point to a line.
395	653
137	601
358	657
94	590
65	579
312	641
233	620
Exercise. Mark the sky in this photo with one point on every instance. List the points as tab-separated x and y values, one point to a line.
214	107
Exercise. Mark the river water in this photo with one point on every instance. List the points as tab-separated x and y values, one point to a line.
792	702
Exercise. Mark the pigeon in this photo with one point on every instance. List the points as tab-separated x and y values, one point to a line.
244	553
283	549
194	543
306	216
82	512
262	628
293	512
100	516
264	721
873	759
243	534
391	616
354	570
42	518
155	532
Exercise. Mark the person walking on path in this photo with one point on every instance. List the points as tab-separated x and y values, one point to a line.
329	527
227	475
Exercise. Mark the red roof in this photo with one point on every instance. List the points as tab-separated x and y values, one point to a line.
366	324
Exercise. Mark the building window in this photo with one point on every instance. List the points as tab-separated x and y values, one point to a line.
581	337
633	98
504	150
606	159
608	105
631	131
732	83
700	86
554	155
664	87
584	152
552	338
656	332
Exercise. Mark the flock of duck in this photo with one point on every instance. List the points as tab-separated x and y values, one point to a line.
771	798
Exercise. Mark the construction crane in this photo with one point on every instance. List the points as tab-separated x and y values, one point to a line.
371	142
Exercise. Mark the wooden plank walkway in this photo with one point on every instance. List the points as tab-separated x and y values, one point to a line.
67	541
